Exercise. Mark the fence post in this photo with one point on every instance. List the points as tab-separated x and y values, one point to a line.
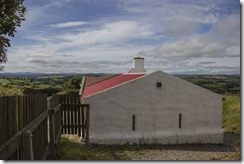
87	126
52	134
27	146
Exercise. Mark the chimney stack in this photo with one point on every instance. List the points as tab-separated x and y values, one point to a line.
138	65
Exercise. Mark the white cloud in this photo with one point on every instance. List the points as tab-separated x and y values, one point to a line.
113	32
69	24
223	41
177	27
220	46
190	11
168	34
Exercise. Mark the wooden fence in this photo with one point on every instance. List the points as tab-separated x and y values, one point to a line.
24	127
75	116
54	124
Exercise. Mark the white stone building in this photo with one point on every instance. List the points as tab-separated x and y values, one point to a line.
137	107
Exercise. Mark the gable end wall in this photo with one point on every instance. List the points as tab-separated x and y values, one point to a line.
156	112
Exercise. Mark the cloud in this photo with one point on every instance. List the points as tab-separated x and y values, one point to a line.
69	24
113	63
184	10
112	32
179	28
39	61
172	35
94	59
206	63
222	41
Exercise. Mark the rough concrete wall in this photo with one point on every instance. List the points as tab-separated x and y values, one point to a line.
157	112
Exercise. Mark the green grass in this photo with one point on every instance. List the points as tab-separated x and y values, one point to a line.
73	149
10	91
231	113
4	81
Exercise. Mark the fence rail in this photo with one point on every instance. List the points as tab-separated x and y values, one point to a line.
24	127
31	125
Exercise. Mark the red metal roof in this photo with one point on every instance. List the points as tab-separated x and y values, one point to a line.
92	80
108	83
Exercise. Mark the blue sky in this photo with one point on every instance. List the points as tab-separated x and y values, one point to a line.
102	36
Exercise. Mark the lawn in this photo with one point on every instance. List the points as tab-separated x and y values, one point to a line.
231	113
71	148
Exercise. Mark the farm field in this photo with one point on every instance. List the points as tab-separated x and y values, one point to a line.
19	84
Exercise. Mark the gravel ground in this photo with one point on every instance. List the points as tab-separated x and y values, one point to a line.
225	151
192	151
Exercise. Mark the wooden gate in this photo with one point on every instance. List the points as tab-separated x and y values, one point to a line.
75	116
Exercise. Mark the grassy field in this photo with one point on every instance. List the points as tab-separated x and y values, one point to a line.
73	149
231	113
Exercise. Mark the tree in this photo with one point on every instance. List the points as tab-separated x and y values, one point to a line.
11	14
73	83
72	86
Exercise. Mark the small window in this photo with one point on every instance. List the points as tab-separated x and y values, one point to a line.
133	122
180	118
159	84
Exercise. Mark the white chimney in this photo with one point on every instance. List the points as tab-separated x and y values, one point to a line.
138	65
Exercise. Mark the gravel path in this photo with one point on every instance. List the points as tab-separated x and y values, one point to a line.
225	151
192	151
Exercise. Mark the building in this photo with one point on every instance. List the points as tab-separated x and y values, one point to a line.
145	108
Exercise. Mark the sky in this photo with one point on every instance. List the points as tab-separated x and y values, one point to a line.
103	36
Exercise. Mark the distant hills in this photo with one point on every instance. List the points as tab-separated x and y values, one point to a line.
38	74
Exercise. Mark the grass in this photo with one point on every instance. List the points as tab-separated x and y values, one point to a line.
231	113
13	91
73	149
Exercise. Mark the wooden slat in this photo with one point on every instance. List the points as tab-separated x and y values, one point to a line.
4	118
1	121
20	112
65	114
79	121
12	143
72	113
75	114
83	121
87	125
62	113
25	110
9	121
17	113
68	101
